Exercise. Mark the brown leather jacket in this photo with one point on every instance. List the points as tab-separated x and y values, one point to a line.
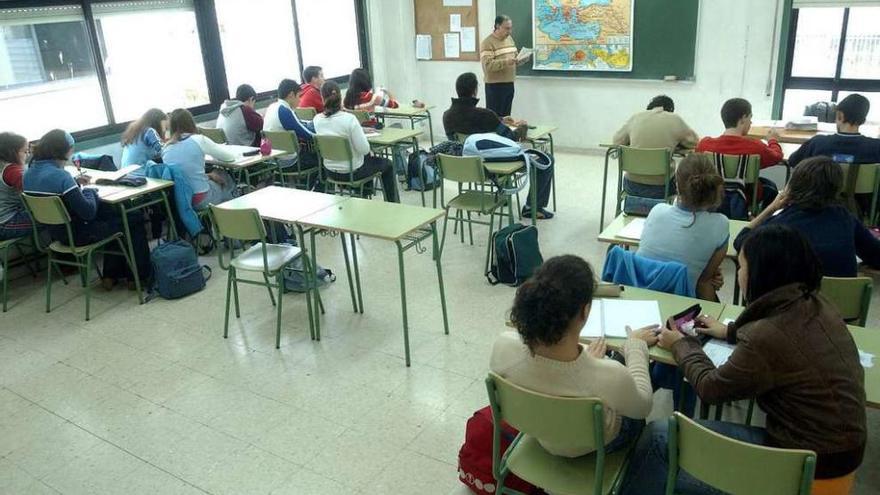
796	356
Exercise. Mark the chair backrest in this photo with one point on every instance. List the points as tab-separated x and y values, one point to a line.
731	165
283	140
645	161
336	148
461	168
736	466
215	134
305	113
850	295
242	224
545	417
866	179
361	115
47	210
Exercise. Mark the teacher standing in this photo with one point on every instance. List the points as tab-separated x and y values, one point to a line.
498	57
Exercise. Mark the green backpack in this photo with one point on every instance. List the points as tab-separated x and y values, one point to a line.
515	255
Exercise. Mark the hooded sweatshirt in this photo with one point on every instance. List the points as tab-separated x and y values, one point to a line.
241	123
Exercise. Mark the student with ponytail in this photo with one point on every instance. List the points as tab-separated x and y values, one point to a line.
689	232
143	138
334	122
545	355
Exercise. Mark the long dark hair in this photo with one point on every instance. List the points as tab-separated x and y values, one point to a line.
815	183
10	143
358	82
332	98
181	122
54	145
777	255
151	119
547	302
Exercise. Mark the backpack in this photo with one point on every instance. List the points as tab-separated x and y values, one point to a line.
514	255
176	270
295	277
735	204
419	164
95	162
475	456
824	111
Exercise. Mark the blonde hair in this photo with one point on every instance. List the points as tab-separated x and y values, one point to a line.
699	185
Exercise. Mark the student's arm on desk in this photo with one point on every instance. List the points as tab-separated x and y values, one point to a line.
217	151
359	143
705	287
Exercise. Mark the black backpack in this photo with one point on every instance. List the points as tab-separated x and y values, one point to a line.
515	255
176	270
421	164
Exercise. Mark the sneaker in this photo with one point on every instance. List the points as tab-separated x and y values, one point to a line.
541	214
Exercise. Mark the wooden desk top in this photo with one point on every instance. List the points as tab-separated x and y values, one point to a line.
760	129
503	168
540	132
243	161
284	204
118	194
389	221
609	233
403	111
390	136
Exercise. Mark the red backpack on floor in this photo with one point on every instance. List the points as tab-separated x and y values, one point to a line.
475	456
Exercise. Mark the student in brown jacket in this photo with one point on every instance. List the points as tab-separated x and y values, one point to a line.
793	354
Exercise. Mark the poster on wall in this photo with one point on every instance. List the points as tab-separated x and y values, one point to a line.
582	35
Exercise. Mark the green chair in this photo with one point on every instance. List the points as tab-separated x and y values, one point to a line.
305	113
864	181
749	176
850	295
215	134
338	148
245	225
50	210
557	420
734	466
287	141
654	162
465	170
5	246
361	115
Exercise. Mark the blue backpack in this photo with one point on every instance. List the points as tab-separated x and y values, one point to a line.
176	270
422	164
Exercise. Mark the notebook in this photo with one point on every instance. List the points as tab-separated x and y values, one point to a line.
633	230
609	317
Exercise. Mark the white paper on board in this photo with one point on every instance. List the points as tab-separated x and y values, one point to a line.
455	23
451	45
423	47
458	3
468	39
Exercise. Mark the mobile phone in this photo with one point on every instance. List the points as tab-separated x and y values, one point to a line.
250	153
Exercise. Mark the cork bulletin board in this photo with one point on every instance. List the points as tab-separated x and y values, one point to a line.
433	18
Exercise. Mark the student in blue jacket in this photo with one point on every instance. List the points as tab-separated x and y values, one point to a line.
143	138
90	220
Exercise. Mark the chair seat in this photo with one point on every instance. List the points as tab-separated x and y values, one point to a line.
277	256
562	475
474	201
80	250
504	168
11	242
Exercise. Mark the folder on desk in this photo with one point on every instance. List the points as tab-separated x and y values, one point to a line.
610	317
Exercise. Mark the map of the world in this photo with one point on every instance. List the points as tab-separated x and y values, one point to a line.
590	35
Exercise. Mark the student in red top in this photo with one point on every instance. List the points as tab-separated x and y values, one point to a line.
313	79
360	94
14	219
736	113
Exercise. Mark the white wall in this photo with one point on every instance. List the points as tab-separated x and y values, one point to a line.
735	48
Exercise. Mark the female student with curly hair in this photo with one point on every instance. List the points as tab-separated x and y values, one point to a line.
545	355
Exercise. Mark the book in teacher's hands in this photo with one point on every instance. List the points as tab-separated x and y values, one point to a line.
610	317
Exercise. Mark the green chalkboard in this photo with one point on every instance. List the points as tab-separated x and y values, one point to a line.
664	43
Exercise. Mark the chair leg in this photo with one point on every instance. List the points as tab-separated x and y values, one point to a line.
348	272
235	292
470	228
443	239
87	285
459	217
49	280
5	268
269	287
280	280
226	307
489	242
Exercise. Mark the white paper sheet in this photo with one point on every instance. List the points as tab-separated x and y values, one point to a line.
423	47
610	317
458	3
451	45
718	351
468	39
524	54
633	230
866	358
455	23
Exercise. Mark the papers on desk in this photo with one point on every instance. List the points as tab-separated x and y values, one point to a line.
718	351
371	131
866	358
633	230
610	317
122	172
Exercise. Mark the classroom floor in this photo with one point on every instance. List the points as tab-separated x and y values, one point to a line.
151	399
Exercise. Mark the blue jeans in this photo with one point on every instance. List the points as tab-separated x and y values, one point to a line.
649	463
216	193
646	190
17	226
630	429
669	377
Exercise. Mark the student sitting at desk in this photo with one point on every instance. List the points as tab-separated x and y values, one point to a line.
810	205
90	220
335	122
187	149
360	94
793	354
313	79
281	117
657	127
736	113
689	231
238	119
545	354
14	218
143	138
848	145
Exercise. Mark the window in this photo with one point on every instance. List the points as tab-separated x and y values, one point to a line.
835	51
259	43
337	53
47	74
152	56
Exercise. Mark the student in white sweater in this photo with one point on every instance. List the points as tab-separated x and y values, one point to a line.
546	356
334	122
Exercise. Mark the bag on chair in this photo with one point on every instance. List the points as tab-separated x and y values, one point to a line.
514	255
475	456
176	270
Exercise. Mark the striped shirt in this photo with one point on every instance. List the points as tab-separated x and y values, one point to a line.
493	54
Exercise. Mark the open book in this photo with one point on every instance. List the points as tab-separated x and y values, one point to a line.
610	317
523	55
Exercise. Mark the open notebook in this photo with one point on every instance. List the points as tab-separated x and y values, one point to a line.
610	317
